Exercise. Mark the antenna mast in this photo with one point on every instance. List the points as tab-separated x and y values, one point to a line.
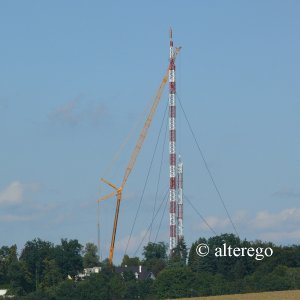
172	147
180	198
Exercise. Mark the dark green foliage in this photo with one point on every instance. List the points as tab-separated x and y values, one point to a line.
194	262
130	261
43	265
8	256
90	257
204	283
52	275
116	286
102	286
20	280
66	290
231	267
42	270
68	257
105	263
281	278
179	255
176	283
155	251
96	287
37	295
33	256
155	257
146	289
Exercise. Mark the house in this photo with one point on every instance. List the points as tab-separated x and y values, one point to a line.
94	270
139	272
3	294
87	272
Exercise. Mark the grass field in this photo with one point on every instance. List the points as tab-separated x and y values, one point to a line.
282	295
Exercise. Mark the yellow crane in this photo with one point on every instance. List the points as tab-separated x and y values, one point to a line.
118	191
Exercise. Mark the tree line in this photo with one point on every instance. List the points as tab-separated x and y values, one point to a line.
46	271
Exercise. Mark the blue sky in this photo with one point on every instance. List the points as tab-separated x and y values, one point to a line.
76	75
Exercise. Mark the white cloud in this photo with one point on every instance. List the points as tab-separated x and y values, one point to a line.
15	218
221	224
278	236
134	242
213	221
277	227
289	216
13	193
74	112
16	194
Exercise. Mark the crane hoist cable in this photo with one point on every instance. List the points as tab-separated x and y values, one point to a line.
164	200
160	222
146	182
159	177
118	190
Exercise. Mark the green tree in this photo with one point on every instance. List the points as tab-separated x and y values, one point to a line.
193	259
155	256
51	273
33	255
179	254
37	295
219	285
224	265
66	290
90	256
96	287
204	282
117	286
201	264
130	261
294	277
8	255
176	283
146	289
278	279
131	285
21	280
68	257
155	251
233	267
105	263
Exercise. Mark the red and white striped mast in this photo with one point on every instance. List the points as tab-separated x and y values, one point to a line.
180	198
172	146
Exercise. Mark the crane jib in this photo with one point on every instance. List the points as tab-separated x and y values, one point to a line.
133	158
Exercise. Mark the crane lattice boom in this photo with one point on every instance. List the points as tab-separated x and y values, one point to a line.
133	158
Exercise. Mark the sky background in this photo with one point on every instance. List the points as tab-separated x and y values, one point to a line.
77	75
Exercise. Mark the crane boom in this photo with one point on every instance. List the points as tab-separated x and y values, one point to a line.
144	131
133	158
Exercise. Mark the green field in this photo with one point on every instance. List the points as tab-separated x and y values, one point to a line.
282	295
